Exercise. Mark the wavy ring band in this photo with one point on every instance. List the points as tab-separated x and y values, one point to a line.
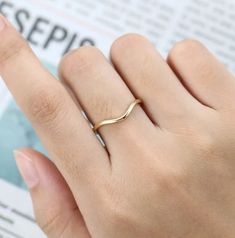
118	119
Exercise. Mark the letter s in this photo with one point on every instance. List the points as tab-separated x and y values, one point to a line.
21	15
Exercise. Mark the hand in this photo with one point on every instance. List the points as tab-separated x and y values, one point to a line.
167	171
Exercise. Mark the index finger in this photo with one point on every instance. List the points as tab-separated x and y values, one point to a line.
58	121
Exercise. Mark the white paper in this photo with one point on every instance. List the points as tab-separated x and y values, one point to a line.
16	216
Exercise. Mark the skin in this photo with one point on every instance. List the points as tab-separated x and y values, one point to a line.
168	171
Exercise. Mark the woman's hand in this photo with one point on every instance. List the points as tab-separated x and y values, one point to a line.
167	171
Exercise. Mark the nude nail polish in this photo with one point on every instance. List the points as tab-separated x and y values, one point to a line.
27	169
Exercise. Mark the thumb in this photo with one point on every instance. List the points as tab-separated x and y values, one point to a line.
55	208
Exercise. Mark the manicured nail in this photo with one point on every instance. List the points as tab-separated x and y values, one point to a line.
27	169
2	23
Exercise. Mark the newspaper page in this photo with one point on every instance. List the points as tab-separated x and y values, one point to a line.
54	27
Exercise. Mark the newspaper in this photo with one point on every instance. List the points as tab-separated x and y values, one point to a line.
16	216
54	27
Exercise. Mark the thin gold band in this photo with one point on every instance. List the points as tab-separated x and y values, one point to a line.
118	119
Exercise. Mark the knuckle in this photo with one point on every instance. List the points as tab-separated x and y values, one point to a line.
78	61
12	45
185	48
47	226
168	180
118	216
51	225
46	105
114	208
126	42
207	146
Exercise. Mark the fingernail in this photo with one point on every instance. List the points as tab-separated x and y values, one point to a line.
2	23
27	169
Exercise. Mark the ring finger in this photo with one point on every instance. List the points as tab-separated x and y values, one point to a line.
103	95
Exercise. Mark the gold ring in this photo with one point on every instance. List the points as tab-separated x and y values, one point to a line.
118	119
